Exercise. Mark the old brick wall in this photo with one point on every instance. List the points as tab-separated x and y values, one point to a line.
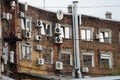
39	14
96	46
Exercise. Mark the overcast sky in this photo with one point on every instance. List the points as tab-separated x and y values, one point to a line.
89	7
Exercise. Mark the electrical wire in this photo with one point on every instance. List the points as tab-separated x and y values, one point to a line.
110	6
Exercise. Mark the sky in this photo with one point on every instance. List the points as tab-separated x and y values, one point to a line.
96	8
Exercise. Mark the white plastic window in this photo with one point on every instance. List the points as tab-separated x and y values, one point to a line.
22	24
26	51
88	59
87	34
106	61
65	32
66	57
105	36
28	24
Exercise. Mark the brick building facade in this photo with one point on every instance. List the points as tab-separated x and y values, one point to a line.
40	46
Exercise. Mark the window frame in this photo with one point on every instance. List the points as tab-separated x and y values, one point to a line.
64	33
90	54
24	23
44	28
91	33
109	35
51	55
69	52
25	54
108	56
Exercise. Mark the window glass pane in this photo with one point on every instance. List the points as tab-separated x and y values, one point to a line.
23	51
65	58
105	36
47	54
87	60
67	33
43	30
83	34
22	24
101	37
104	63
28	52
62	32
27	24
88	35
70	32
47	29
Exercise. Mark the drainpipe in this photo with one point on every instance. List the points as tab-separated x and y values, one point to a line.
0	41
76	70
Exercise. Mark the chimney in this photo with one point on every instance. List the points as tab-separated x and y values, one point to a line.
108	15
69	8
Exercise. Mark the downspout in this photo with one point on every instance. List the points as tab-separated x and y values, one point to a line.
0	40
77	71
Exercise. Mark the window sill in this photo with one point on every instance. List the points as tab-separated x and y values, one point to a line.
87	40
23	59
105	43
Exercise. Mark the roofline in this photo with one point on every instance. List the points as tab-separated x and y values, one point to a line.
114	20
71	13
44	9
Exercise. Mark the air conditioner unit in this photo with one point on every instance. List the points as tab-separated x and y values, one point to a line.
27	34
38	37
39	24
21	14
85	69
59	65
38	47
58	40
40	61
57	29
3	15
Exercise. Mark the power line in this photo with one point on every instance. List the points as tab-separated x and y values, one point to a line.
112	6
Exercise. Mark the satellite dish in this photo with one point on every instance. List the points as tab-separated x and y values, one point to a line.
59	15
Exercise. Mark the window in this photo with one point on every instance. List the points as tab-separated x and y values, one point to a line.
48	55
26	51
106	61
26	24
105	36
87	34
66	57
88	59
66	32
46	29
119	36
22	21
